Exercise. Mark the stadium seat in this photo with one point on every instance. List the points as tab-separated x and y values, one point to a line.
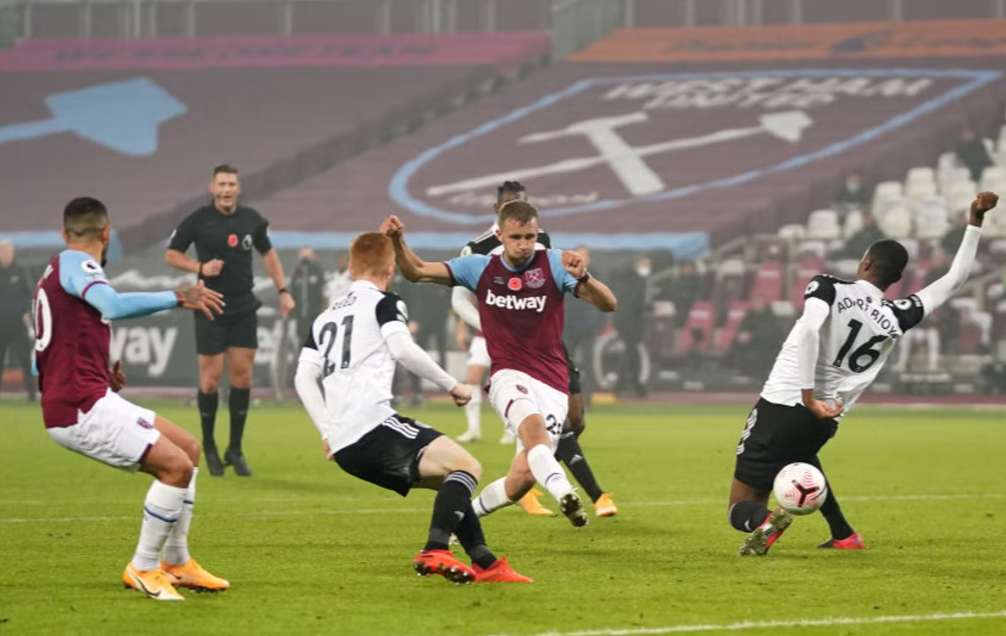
697	334
768	281
731	285
811	249
994	173
931	218
920	189
912	247
847	268
952	175
958	190
896	223
793	232
823	225
735	314
920	174
886	192
783	309
853	223
806	269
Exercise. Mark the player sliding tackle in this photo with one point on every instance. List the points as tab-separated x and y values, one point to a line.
82	409
520	301
831	356
344	380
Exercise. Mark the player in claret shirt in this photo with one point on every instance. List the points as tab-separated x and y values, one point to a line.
834	352
83	412
520	294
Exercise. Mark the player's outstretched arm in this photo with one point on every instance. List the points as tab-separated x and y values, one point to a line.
463	305
946	286
412	357
413	268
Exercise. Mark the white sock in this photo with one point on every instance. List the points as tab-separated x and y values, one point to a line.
473	411
176	548
547	472
161	510
492	498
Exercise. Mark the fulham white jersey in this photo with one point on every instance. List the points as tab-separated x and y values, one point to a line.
856	338
348	341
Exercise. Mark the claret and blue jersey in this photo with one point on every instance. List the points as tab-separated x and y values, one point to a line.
72	307
521	311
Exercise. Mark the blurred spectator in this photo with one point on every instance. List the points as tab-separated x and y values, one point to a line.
428	308
15	316
682	291
758	338
852	195
583	323
630	323
971	152
339	280
866	236
941	326
307	282
952	239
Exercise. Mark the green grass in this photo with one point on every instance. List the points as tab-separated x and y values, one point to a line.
310	550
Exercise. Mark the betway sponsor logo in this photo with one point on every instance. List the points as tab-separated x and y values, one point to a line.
536	303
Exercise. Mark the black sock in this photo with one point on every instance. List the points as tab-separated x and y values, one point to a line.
570	453
238	403
473	540
840	528
453	499
207	404
747	515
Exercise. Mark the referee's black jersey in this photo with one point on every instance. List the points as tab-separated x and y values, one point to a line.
486	242
229	237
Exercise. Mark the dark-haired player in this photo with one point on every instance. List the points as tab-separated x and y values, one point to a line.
73	305
569	450
833	353
520	293
225	234
344	380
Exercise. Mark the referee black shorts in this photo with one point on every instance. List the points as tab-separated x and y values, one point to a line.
777	435
388	456
216	336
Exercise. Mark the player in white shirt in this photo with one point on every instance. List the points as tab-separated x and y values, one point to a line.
834	352
344	380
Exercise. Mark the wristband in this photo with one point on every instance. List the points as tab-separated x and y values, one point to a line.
584	278
284	290
200	273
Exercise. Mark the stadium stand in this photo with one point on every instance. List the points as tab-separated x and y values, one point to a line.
279	109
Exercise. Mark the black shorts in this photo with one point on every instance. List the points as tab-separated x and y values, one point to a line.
574	373
216	336
777	435
389	455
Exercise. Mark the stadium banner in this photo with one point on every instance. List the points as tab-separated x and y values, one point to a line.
688	158
846	41
500	50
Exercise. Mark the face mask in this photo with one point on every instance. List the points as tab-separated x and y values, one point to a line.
853	187
643	271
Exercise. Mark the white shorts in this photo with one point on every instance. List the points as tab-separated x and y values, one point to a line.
515	395
478	353
114	432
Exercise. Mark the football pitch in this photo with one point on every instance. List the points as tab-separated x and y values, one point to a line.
310	550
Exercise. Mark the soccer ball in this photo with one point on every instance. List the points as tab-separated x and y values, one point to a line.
800	488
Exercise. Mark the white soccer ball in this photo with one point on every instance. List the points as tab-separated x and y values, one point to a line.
800	488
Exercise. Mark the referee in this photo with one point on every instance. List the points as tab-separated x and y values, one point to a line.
224	234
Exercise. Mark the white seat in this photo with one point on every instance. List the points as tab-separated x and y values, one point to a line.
960	189
897	223
931	221
993	185
823	225
794	231
888	190
732	267
883	206
853	223
952	175
994	173
920	189
920	174
811	248
994	226
847	268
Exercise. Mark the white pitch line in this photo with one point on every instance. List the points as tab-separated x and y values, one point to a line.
397	511
803	622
